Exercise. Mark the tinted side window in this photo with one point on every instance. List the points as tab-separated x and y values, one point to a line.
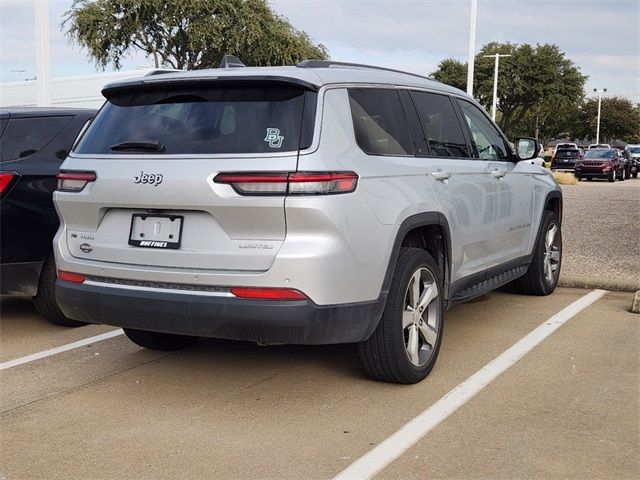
487	142
441	125
26	136
378	121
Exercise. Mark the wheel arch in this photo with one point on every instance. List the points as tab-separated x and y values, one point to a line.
429	231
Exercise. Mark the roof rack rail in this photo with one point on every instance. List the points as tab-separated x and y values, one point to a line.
331	63
160	71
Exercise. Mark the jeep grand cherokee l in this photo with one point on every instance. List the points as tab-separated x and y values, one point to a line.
318	204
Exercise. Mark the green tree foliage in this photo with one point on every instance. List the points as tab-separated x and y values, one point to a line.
533	79
187	34
619	120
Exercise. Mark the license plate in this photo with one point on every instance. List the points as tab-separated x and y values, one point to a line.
155	231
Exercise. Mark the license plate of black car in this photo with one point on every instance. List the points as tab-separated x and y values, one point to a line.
155	231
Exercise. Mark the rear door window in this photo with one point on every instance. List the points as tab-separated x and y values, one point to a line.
378	121
25	136
203	120
441	126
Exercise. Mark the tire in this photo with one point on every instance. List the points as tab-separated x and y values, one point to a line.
159	341
541	280
623	176
589	179
45	299
634	174
385	355
612	177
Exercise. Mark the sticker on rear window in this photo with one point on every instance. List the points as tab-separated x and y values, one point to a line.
274	138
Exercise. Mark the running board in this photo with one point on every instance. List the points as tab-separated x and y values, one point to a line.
485	286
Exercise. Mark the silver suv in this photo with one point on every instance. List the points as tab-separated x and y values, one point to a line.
318	204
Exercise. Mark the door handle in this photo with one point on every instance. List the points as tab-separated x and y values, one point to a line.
441	175
498	172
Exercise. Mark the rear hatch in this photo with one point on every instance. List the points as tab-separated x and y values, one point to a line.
155	152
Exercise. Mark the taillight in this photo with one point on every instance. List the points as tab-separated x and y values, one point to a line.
71	277
258	293
74	181
294	183
6	179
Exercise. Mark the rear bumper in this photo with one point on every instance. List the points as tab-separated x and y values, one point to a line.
263	321
20	279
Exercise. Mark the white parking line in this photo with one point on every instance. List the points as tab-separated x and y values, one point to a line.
64	348
391	448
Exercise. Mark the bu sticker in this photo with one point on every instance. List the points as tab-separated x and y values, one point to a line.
274	138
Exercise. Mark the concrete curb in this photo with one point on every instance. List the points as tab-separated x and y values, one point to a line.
635	306
613	284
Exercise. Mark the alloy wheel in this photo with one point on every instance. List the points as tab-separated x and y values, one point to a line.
552	254
421	317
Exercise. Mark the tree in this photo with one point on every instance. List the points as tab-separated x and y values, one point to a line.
452	72
619	120
532	78
187	34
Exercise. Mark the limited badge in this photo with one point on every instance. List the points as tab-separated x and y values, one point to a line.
274	138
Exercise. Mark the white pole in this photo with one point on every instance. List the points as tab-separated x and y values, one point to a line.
494	104
472	46
43	53
599	92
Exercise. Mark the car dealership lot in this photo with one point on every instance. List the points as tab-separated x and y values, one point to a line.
235	410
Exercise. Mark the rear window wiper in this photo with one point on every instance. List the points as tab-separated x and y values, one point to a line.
150	145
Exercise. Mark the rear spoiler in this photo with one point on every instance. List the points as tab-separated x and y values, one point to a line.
162	82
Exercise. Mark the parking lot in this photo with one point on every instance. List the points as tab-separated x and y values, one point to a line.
231	410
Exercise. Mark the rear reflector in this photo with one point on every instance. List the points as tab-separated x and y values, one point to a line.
294	183
268	293
71	277
6	179
74	181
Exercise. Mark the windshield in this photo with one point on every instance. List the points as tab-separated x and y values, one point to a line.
599	154
203	120
633	149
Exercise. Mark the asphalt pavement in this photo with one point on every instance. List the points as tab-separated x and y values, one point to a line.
601	230
232	410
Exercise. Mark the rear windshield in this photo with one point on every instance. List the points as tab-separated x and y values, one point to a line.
567	153
599	154
203	120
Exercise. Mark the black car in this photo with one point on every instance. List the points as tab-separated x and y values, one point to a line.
33	144
565	159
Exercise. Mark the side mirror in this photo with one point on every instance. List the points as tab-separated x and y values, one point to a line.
527	148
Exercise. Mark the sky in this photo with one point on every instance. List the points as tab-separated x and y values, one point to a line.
602	37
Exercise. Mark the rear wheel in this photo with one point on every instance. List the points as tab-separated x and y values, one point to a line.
543	273
45	299
405	346
159	341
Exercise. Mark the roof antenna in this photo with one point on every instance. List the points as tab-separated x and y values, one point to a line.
230	61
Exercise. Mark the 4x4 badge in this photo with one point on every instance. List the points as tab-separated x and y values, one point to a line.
274	138
154	179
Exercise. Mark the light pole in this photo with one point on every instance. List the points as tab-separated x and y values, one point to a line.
495	83
43	53
472	46
600	93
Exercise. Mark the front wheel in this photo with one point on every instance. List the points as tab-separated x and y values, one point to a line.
405	346
612	177
544	271
158	340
